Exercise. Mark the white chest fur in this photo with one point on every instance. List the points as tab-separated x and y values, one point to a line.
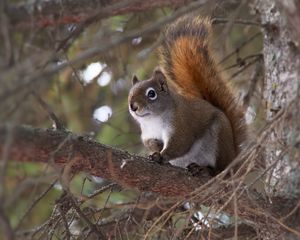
155	128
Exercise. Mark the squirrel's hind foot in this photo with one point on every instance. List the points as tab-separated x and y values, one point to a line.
197	170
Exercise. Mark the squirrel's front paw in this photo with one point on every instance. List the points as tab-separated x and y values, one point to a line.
156	157
154	145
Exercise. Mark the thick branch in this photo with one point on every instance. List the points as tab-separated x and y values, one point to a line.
84	154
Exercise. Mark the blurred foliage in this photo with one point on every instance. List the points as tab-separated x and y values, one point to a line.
74	101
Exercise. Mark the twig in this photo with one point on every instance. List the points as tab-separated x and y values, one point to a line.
227	28
58	124
253	83
34	203
6	35
240	46
242	61
4	156
100	14
64	219
297	206
92	226
236	21
7	114
101	190
245	67
8	232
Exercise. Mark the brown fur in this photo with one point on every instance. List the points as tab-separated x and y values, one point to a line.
187	62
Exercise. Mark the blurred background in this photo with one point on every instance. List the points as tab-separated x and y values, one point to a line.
78	61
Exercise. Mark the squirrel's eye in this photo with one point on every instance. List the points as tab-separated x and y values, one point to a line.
151	94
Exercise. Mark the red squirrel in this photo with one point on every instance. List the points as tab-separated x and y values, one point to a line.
186	111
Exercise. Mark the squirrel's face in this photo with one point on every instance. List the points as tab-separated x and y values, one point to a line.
150	97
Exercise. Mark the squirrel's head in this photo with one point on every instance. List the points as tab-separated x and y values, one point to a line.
150	97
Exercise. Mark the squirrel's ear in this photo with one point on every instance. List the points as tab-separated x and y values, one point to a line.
158	74
134	80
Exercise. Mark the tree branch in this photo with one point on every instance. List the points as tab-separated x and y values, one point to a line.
53	146
79	153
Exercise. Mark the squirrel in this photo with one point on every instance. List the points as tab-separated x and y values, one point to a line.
186	111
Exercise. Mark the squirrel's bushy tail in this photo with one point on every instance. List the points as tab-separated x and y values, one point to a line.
187	60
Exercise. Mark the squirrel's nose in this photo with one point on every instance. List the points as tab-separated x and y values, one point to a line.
134	106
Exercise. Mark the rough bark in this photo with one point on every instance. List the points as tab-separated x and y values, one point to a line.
83	154
281	90
281	93
291	10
